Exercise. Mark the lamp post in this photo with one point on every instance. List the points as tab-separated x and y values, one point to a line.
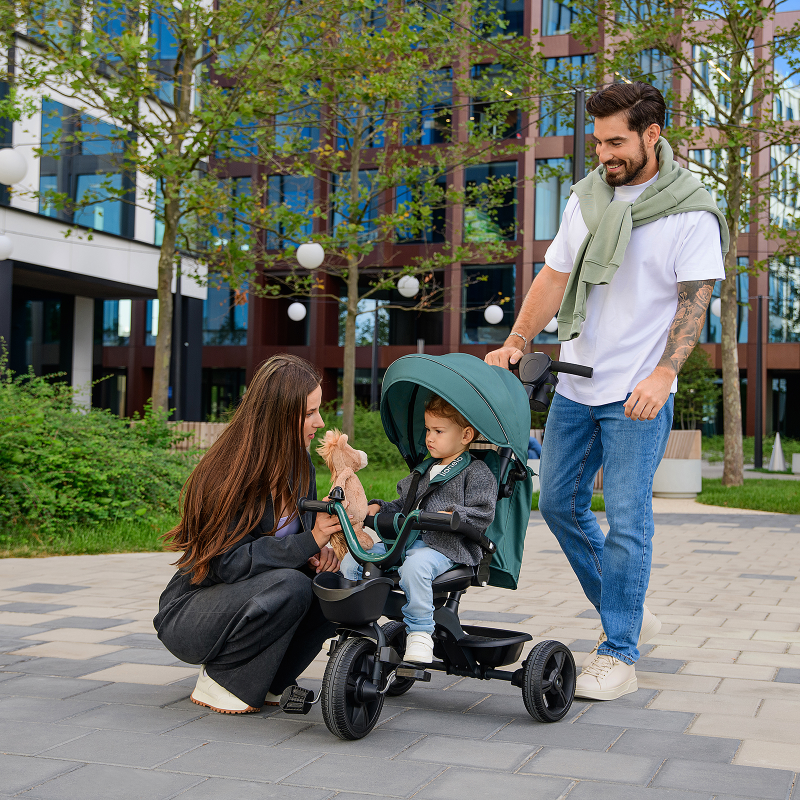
758	454
579	143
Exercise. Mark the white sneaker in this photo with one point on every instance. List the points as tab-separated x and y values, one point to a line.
272	699
419	648
651	625
210	694
606	678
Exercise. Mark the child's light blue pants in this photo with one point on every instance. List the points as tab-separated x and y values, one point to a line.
420	567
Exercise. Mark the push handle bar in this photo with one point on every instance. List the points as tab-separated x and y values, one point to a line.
572	369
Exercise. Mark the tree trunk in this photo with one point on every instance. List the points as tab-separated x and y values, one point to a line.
166	261
349	376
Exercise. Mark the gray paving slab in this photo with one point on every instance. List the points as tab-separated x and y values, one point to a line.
353	774
122	748
63	667
229	789
504	705
138	694
228	760
137	640
440	700
47	588
20	773
235	729
590	765
666	665
379	744
468	726
141	719
788	675
638	742
42	686
141	655
591	790
628	717
32	608
756	782
576	737
102	782
493	616
503	756
30	738
590	613
93	623
637	699
14	631
39	709
472	784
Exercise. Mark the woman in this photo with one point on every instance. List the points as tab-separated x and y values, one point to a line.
241	603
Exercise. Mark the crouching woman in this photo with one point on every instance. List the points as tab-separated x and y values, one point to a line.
241	604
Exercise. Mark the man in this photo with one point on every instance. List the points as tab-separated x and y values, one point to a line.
630	273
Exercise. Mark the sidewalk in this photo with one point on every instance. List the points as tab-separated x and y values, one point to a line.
93	707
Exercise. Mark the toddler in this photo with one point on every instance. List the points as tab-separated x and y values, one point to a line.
472	493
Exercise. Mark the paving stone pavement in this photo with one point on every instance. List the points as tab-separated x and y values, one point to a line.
93	707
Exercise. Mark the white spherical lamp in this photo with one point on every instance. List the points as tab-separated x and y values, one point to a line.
408	286
12	166
551	326
493	314
6	247
716	307
310	255
297	312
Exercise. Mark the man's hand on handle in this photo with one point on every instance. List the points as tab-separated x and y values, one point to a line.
503	357
649	395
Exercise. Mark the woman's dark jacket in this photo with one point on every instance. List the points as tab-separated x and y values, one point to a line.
253	554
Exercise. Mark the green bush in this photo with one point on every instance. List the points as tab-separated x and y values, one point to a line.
60	467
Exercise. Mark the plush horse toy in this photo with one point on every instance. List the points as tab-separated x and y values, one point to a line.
343	461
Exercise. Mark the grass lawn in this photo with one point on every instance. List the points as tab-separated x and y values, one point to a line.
714	448
121	537
782	497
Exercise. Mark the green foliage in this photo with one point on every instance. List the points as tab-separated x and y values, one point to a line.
60	467
714	448
777	496
698	392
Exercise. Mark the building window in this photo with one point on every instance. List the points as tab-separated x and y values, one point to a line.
511	13
706	164
365	321
485	285
784	300
225	316
151	323
557	18
425	206
299	126
6	130
296	194
557	114
487	217
233	227
712	329
164	59
365	212
220	393
83	163
116	323
432	111
367	130
489	116
784	203
553	179
543	337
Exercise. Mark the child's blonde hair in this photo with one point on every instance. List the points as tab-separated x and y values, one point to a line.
438	407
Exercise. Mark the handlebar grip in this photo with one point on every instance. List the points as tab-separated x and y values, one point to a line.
434	521
572	369
316	505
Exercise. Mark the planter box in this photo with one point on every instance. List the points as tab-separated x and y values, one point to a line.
533	463
796	463
678	477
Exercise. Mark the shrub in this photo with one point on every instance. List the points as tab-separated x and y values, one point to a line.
61	467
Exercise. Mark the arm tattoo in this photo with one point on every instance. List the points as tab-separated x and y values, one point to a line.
693	300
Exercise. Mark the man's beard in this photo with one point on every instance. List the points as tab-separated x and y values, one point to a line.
630	169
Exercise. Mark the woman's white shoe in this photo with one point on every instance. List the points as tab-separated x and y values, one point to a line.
419	648
210	694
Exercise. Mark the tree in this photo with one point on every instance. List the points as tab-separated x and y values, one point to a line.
176	94
698	392
727	66
400	80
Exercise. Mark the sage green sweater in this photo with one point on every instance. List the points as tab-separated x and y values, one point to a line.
676	191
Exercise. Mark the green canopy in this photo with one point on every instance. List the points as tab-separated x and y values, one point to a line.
491	398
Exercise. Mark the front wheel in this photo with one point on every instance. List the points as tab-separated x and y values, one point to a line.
548	681
345	710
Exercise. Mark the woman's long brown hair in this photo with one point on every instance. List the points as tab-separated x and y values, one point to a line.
261	454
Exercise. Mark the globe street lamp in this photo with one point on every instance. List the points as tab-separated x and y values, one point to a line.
310	255
12	166
297	312
493	314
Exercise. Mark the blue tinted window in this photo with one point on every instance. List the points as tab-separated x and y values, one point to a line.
556	18
484	286
296	193
490	219
105	212
366	209
553	179
557	113
224	316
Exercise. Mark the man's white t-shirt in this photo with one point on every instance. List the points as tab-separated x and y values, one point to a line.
628	319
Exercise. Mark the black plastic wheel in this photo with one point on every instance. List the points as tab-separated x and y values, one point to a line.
347	716
396	637
548	681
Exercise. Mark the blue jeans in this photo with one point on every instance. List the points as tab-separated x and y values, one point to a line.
613	570
420	567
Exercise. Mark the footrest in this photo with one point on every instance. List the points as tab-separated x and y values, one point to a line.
296	700
413	672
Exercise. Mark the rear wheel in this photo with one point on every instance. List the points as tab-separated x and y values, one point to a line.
395	633
345	710
548	681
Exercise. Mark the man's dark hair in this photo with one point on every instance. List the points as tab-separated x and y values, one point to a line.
642	104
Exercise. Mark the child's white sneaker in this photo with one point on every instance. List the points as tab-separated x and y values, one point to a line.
210	694
419	648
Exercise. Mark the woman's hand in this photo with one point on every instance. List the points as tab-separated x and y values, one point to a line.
324	561
326	525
